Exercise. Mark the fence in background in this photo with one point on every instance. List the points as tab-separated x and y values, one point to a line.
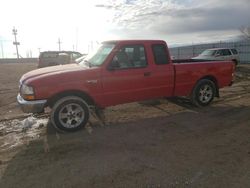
184	52
21	60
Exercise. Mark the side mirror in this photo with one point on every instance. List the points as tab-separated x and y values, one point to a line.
113	65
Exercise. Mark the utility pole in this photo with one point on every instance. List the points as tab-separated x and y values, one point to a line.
15	42
76	39
59	44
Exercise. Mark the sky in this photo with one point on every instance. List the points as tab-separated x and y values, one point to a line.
81	24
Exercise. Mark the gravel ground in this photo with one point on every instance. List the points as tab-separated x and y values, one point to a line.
160	143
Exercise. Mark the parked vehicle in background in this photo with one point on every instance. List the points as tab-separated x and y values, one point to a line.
119	72
81	58
219	54
52	58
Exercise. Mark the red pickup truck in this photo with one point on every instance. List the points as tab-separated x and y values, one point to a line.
119	72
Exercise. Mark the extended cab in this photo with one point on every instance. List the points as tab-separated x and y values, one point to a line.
119	72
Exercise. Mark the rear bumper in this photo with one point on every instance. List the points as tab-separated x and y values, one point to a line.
36	106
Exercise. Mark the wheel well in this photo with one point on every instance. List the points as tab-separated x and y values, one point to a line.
214	80
81	94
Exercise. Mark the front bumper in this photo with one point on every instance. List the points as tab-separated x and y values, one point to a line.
36	106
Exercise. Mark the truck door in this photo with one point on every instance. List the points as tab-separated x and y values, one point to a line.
125	79
160	83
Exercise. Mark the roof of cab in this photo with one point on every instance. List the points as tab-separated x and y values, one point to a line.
134	41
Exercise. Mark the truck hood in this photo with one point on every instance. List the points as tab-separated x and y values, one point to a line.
53	70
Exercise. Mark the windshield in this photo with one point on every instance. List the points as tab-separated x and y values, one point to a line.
208	53
97	58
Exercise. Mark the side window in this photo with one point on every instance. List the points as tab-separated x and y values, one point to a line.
160	54
132	56
234	51
219	53
226	52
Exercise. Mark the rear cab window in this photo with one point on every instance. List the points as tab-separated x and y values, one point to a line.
160	54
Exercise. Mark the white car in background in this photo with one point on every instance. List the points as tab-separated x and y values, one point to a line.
80	59
220	54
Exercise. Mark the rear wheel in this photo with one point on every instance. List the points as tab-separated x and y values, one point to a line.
203	93
70	114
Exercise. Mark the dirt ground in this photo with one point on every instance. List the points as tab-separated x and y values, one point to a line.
161	143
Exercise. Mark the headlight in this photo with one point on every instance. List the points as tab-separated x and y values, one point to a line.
27	92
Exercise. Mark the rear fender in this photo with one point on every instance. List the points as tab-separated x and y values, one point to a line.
214	80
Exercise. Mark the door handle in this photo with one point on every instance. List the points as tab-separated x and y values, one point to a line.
92	81
147	73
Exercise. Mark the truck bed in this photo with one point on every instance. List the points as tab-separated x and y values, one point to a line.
188	73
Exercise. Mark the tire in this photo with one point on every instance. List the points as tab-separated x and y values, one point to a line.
70	114
203	93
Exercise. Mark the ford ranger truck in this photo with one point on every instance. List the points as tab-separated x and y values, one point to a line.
119	72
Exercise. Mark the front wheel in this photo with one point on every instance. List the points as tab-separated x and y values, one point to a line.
70	114
203	93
